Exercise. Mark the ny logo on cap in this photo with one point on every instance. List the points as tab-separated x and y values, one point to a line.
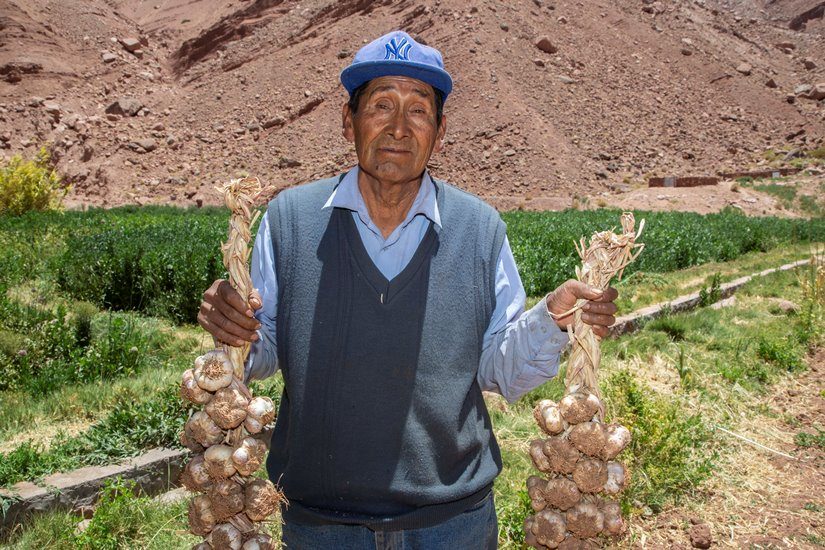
398	50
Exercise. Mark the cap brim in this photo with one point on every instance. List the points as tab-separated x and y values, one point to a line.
359	73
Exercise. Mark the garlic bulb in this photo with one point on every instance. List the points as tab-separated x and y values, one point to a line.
194	476
218	459
190	390
201	520
187	439
585	520
616	478
588	437
227	408
613	523
259	413
261	498
590	475
549	528
204	429
539	458
227	499
213	370
579	407
259	542
617	439
548	417
249	456
225	537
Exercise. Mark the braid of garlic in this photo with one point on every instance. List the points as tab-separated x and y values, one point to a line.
239	195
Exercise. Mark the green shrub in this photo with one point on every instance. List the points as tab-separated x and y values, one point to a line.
120	518
160	260
669	454
30	185
43	350
161	268
781	353
712	293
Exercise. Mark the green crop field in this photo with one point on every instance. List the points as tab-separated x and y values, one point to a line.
97	315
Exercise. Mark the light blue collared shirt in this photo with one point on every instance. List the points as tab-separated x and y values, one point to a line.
521	349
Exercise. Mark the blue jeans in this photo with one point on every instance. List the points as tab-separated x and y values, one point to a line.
475	529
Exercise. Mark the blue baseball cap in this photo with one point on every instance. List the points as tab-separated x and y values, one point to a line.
397	54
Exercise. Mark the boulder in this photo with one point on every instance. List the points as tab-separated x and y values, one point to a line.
744	68
125	106
130	44
144	145
816	93
802	89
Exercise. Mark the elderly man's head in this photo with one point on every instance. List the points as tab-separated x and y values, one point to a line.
394	115
395	128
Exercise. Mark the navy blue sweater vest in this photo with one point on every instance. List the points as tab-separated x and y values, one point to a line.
382	422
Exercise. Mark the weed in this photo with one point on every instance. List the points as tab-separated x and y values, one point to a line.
670	447
781	353
118	520
671	325
785	193
805	439
712	293
685	372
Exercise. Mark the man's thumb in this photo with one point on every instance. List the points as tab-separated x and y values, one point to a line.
585	291
255	301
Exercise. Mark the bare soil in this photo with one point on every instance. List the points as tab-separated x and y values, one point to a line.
635	89
759	499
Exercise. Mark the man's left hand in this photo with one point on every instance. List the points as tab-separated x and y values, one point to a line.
598	311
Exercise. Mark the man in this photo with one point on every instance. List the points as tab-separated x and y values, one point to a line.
390	300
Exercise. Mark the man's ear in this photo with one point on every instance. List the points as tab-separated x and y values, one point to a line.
346	124
439	137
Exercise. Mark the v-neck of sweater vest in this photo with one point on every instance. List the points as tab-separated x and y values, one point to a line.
384	289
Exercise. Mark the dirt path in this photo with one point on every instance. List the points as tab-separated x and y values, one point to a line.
758	499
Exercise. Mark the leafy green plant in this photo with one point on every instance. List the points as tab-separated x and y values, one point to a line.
119	520
712	293
685	372
805	439
781	353
30	185
541	241
669	453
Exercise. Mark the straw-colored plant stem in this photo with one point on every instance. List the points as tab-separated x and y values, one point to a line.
606	256
239	196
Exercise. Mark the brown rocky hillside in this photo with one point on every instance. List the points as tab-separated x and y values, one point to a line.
159	100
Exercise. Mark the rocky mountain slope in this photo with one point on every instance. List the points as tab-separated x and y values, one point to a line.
157	101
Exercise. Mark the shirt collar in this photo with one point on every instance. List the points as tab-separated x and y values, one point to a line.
348	195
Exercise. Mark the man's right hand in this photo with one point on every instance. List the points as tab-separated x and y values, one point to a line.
225	316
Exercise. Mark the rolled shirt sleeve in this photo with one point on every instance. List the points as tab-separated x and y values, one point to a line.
262	360
521	349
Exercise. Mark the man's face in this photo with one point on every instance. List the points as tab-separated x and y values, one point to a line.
394	129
